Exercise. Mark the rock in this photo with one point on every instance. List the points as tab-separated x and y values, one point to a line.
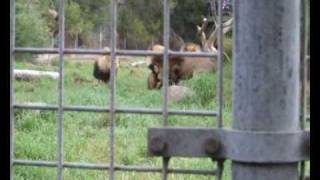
176	93
45	59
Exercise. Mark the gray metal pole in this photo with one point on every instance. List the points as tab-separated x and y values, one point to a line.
266	77
12	64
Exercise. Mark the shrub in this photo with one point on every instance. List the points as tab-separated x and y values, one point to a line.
31	28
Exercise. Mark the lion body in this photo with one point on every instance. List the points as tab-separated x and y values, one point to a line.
180	68
102	67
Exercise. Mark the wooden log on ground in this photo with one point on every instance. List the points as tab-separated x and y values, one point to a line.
32	74
139	63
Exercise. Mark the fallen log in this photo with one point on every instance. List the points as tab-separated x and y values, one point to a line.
31	74
138	63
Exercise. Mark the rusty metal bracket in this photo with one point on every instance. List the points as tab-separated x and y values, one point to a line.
268	147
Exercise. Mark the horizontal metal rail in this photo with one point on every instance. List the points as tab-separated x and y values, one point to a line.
117	110
224	143
118	52
106	166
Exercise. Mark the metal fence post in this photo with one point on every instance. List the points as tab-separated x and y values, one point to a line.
166	40
60	131
112	87
266	77
12	62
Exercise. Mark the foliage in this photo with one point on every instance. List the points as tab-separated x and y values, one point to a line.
140	22
31	28
186	15
97	12
75	24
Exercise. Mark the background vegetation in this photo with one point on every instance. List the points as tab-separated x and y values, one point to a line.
140	22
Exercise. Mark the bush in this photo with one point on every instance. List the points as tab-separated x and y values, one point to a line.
31	28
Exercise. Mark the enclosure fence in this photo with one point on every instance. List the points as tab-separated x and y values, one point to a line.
60	164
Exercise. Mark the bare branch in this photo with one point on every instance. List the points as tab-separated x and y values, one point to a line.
201	31
227	26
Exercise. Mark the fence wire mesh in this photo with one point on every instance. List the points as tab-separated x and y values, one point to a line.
112	109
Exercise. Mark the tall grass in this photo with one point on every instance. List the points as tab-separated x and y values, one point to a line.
86	134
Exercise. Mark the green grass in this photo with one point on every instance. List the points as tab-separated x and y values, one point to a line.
86	135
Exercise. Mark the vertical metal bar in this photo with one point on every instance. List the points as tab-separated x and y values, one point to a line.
166	38
12	58
61	91
220	80
219	169
266	77
305	58
302	170
303	63
166	32
220	66
112	85
303	73
165	167
302	87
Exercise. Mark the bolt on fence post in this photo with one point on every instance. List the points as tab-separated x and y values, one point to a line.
266	77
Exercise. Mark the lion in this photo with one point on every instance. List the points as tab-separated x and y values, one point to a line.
102	67
180	68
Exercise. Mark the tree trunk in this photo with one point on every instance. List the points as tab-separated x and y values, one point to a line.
76	41
100	39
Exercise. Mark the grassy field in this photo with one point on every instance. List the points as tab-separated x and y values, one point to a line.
86	135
